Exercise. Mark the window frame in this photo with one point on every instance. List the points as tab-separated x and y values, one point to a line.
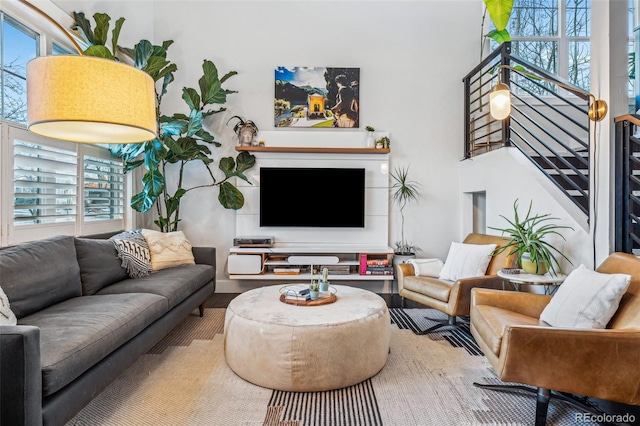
48	36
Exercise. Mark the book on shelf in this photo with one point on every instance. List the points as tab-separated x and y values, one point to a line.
379	272
286	271
377	262
296	292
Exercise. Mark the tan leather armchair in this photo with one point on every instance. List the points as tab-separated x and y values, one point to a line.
452	298
596	363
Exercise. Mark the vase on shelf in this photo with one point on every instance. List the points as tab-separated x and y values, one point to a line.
370	140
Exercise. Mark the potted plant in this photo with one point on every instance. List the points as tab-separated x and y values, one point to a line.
245	129
527	241
404	192
182	137
314	290
324	281
370	140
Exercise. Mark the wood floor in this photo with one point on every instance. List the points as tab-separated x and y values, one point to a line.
221	300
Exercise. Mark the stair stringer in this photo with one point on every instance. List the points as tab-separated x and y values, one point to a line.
561	198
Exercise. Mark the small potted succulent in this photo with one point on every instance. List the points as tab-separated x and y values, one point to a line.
245	129
324	281
314	290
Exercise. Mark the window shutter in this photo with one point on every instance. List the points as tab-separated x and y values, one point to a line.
103	188
45	184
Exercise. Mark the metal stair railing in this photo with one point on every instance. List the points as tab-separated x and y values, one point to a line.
627	184
550	128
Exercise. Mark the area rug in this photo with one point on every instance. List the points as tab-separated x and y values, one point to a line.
427	380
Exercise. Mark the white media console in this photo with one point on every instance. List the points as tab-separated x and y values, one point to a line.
315	149
289	262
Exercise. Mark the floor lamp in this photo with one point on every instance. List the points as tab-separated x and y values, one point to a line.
87	99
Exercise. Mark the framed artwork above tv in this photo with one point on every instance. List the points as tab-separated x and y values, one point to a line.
318	97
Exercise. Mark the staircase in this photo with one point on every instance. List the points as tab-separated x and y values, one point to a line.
548	124
570	174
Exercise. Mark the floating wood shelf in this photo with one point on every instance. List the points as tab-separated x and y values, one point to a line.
313	149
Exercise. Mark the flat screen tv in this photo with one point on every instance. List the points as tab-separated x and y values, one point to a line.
312	197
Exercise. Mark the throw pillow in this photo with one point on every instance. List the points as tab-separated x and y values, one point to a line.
586	299
426	267
100	264
466	260
133	250
168	249
7	317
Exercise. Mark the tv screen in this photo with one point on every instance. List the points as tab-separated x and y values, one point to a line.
312	197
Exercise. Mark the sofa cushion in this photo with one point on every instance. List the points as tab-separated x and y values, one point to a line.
175	284
99	264
40	274
7	317
168	249
586	299
133	250
466	260
79	332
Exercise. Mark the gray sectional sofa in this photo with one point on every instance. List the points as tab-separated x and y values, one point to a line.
82	321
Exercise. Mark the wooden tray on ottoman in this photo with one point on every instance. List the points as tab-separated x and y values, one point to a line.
321	301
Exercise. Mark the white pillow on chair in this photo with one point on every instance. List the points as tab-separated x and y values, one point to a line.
466	260
426	267
586	299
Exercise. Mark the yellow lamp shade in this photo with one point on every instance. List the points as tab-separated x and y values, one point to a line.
500	101
90	100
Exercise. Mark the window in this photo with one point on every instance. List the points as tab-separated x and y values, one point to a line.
19	46
103	188
48	186
553	34
45	183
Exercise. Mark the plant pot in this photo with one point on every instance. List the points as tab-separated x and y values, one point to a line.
245	136
402	258
314	294
324	286
370	140
531	267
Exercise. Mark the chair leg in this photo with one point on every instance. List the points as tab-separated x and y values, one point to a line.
201	308
449	323
542	405
543	398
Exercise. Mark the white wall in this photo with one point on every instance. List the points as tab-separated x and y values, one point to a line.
505	175
412	56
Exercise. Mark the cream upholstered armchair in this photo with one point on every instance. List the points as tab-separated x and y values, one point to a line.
452	297
556	361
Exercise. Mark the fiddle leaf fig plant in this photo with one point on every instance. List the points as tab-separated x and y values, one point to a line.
182	137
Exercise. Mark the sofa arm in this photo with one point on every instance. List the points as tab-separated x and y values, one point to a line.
20	376
403	270
205	255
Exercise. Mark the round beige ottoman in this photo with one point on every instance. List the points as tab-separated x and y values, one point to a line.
306	348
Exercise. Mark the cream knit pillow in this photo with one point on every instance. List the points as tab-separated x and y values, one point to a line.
168	249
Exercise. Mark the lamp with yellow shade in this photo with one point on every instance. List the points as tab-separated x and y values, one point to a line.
87	99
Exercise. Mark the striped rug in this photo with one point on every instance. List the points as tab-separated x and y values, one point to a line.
418	320
184	380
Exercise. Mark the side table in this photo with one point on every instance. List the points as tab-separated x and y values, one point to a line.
550	282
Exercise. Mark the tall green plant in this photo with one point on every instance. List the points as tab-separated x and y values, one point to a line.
499	12
182	137
527	235
403	192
